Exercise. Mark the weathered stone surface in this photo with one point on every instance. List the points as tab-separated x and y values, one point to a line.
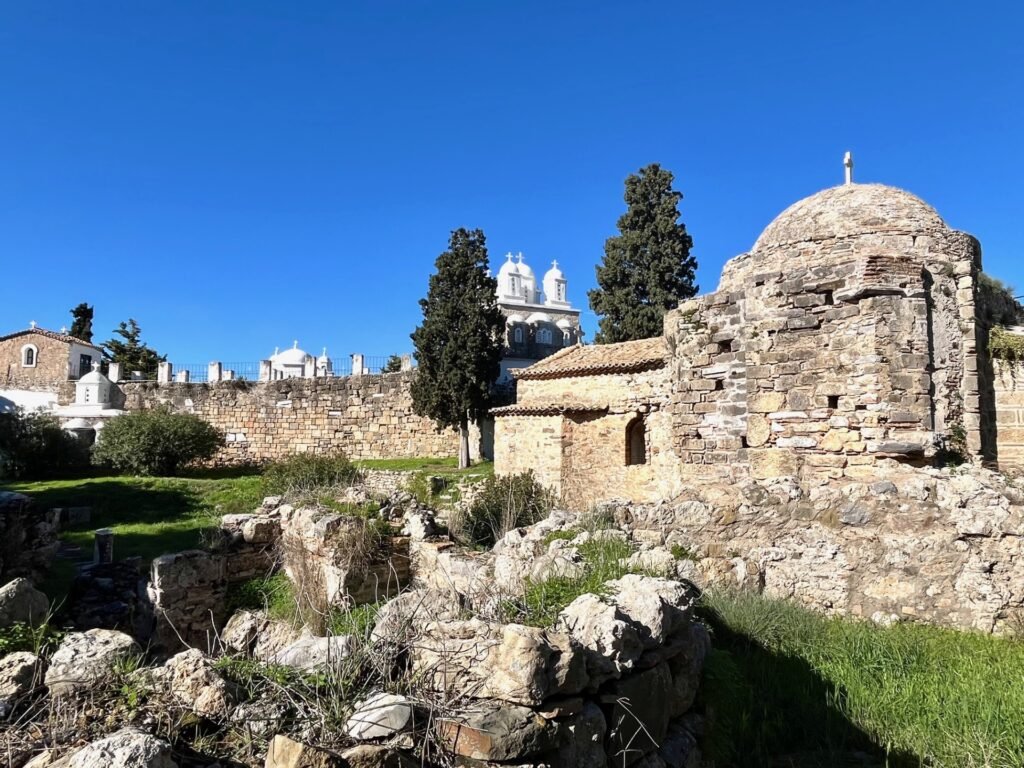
86	658
194	682
20	601
612	644
127	748
686	668
402	617
284	752
513	663
656	607
372	756
311	653
380	716
19	673
639	715
584	747
502	733
253	632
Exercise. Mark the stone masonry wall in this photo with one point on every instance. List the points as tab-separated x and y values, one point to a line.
50	371
1009	396
366	417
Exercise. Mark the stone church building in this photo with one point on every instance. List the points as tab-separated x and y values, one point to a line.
855	329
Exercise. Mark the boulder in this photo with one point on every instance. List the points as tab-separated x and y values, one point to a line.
657	607
19	673
584	747
254	633
380	716
639	716
514	663
86	658
686	667
127	748
310	653
679	748
419	524
501	733
196	684
372	756
288	753
611	643
401	618
20	601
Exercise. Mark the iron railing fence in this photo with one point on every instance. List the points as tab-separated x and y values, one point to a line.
250	371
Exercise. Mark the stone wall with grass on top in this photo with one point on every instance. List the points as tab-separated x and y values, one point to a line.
1009	395
365	417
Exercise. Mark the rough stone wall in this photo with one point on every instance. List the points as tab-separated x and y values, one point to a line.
366	417
1009	401
578	446
50	371
28	538
943	546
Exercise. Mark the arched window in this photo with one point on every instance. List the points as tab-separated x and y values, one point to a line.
566	338
544	336
636	442
29	356
517	335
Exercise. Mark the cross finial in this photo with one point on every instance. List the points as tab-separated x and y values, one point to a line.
63	329
520	257
295	344
848	164
31	323
508	256
324	353
554	263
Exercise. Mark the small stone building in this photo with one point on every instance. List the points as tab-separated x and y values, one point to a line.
36	363
851	332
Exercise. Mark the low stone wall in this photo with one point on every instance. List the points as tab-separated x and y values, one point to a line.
941	546
366	417
28	538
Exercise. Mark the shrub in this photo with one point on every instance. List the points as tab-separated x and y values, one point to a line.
308	473
155	442
33	446
502	504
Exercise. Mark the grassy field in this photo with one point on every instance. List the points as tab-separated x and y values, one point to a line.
448	466
786	681
150	516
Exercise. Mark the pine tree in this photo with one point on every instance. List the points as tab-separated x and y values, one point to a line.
647	268
459	344
131	352
393	365
81	325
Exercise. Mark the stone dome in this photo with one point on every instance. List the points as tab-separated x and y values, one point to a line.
849	210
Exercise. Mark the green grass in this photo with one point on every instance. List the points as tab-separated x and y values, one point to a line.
785	680
449	466
150	516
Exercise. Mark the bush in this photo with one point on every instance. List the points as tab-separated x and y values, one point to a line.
308	473
33	446
155	442
502	504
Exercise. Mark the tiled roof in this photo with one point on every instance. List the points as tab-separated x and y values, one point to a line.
589	360
544	410
50	335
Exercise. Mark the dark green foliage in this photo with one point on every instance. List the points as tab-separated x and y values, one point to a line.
81	325
273	594
20	636
504	503
308	473
393	365
459	344
130	351
155	442
647	268
33	446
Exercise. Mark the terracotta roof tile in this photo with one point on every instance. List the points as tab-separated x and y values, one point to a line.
593	359
50	335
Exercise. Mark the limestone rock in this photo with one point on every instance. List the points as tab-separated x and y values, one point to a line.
686	668
515	663
501	733
284	752
657	607
419	524
372	756
254	633
640	715
18	674
401	618
379	716
194	681
20	601
679	748
86	658
127	748
585	744
311	653
612	644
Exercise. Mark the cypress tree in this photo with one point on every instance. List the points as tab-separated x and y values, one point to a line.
81	324
647	268
131	352
459	344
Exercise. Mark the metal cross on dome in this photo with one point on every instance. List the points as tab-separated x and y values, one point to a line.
848	164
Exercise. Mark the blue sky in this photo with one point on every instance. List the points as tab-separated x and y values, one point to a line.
236	175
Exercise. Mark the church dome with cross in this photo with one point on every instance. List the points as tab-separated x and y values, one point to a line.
849	210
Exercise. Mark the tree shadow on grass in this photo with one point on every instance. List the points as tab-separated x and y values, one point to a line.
769	710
